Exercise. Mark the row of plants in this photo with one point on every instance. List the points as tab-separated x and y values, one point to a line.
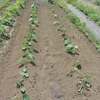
71	49
4	3
7	18
92	13
80	25
28	54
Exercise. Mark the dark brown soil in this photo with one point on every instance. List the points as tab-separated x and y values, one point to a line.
48	75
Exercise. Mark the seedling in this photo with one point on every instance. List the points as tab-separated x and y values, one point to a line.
76	67
62	29
24	73
52	10
65	41
70	48
29	54
20	85
55	15
56	22
84	84
24	97
63	34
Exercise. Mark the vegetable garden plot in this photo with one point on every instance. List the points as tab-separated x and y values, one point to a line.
56	73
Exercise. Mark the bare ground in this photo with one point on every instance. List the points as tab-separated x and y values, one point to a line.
48	78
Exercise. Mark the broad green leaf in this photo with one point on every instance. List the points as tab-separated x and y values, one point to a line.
20	59
22	88
71	47
26	97
33	33
15	96
24	74
30	55
29	42
65	40
35	20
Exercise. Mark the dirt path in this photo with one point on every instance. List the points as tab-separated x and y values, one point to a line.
94	29
48	78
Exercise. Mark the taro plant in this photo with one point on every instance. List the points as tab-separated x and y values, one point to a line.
84	84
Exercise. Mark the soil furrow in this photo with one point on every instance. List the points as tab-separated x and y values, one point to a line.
50	58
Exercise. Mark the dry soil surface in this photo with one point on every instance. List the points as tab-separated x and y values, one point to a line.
48	75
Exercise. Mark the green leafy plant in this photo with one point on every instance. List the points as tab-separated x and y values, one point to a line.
56	22
29	54
26	97
24	73
20	85
65	41
70	48
76	67
84	84
55	15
